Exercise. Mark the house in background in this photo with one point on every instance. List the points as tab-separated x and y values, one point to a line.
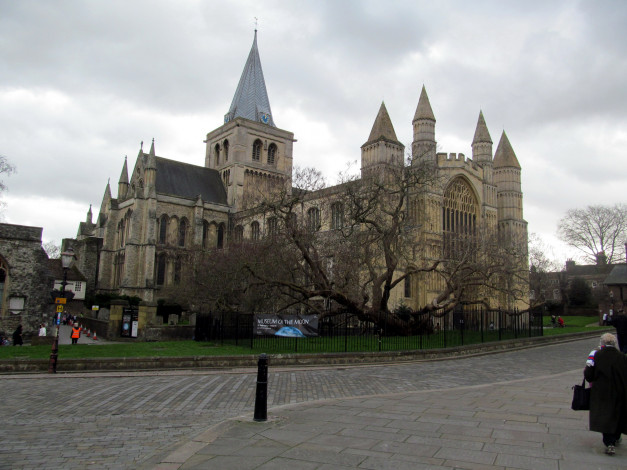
76	283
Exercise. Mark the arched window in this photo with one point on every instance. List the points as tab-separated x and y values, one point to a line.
272	154
273	226
161	265
257	150
216	154
337	216
313	219
459	216
121	232
119	269
182	232
238	234
220	243
127	223
205	234
163	230
254	231
177	271
226	150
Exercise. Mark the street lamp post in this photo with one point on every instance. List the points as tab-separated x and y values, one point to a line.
66	260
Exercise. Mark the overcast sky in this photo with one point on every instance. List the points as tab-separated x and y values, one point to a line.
82	83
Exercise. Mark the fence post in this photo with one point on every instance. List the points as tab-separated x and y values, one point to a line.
500	324
252	332
444	325
261	396
345	331
481	324
461	325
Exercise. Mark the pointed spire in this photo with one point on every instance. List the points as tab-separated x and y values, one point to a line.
251	98
423	110
124	174
151	162
108	189
481	132
89	216
504	155
382	127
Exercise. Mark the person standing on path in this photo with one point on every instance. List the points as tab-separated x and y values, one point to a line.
606	370
17	336
620	323
76	333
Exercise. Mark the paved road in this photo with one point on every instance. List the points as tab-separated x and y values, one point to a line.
168	419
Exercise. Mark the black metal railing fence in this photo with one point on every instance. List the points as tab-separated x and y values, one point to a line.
345	333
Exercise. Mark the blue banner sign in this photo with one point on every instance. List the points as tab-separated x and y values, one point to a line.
294	326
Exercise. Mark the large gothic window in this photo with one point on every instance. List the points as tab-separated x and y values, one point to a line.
272	154
226	150
459	213
216	153
257	150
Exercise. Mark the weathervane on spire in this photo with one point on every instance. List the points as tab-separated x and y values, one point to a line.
255	23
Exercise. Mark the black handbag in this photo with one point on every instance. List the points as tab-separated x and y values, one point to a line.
581	397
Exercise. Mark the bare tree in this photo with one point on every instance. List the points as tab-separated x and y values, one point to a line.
595	230
6	168
542	271
52	249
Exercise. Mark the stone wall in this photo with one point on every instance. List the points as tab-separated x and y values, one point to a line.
28	278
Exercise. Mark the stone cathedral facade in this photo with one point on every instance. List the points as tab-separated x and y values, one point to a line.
164	209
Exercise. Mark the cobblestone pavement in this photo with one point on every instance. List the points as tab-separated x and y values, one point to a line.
128	420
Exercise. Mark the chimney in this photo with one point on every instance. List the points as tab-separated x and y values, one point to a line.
601	258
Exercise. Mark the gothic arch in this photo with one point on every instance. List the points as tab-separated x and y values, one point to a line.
162	230
460	207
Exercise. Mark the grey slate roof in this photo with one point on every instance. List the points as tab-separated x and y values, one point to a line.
188	181
382	129
481	132
251	98
617	276
423	110
504	156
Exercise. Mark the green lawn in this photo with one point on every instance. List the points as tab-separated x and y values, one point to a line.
284	346
151	349
572	325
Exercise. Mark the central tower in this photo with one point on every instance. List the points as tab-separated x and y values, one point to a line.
253	156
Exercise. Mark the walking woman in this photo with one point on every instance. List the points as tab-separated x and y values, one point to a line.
606	370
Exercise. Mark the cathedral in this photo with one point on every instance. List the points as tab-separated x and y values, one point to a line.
164	209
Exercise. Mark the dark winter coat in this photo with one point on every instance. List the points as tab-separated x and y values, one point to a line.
608	399
17	336
620	323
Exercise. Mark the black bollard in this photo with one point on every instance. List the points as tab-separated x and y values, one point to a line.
261	397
